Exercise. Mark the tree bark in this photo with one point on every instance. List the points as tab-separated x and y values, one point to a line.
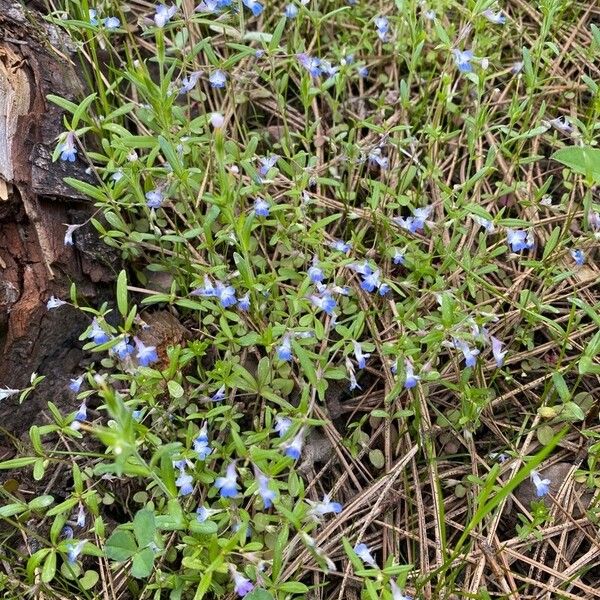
35	206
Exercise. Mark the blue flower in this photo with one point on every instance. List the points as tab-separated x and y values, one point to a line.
266	164
328	68
470	354
201	443
383	26
310	63
282	425
463	60
76	384
244	302
189	82
217	79
54	303
123	348
228	485
93	16
74	550
362	71
397	593
315	273
68	149
185	482
485	223
81	516
364	553
361	358
207	6
225	294
291	11
326	302
399	257
411	379
219	395
154	198
254	6
163	14
97	333
519	240
203	513
293	449
497	351
325	507
261	208
112	23
578	256
146	355
376	158
370	281
242	585
496	18
81	414
341	246
542	486
284	350
266	494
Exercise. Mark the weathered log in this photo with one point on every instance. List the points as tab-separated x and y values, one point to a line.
35	206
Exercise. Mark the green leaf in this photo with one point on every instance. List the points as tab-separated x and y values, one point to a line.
206	528
17	463
143	562
122	292
561	387
144	527
581	159
86	188
9	510
170	155
293	587
571	412
175	389
258	594
89	580
49	568
121	546
41	502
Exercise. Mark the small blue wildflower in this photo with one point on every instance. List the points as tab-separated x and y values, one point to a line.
261	208
429	15
284	350
217	79
383	26
399	257
225	294
361	358
310	63
146	355
75	384
228	485
244	302
81	414
371	281
485	223
242	585
411	379
123	348
201	443
54	303
341	246
542	486
97	333
208	290
93	16
291	11
293	449
519	239
112	23
326	302
81	516
219	395
470	354
266	164
185	482
255	7
136	415
463	60
207	6
348	59
578	256
384	289
325	507
397	593
154	198
203	513
364	553
266	494
497	351
74	550
68	149
189	82
328	68
163	14
315	273
496	18
282	425
362	71
376	158
67	532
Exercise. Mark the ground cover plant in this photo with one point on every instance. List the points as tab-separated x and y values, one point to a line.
353	348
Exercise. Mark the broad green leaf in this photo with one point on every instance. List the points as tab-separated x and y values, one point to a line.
49	568
581	159
41	502
144	527
121	546
89	580
259	595
143	562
